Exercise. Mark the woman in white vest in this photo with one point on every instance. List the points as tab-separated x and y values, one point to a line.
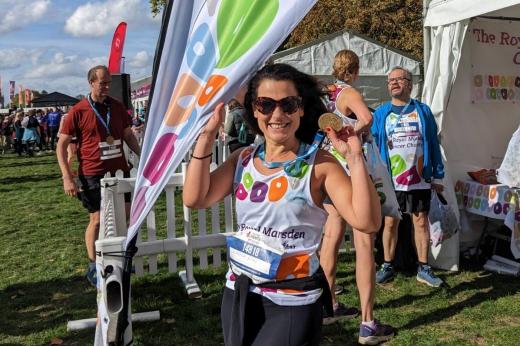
348	103
275	288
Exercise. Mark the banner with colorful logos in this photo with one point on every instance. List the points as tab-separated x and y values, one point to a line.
11	89
495	60
208	49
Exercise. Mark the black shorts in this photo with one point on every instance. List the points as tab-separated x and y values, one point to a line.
90	192
269	324
414	201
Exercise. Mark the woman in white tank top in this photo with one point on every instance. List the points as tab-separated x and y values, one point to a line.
275	289
348	103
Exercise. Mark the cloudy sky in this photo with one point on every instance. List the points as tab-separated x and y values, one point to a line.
50	44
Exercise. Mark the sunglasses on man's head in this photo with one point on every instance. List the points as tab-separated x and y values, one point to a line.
267	105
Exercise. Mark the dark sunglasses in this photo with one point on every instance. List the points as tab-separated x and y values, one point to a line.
267	105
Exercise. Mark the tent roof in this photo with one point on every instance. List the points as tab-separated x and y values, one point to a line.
442	12
376	58
54	99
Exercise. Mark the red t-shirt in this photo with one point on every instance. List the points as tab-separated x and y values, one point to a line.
83	123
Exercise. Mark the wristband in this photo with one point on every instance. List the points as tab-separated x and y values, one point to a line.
201	157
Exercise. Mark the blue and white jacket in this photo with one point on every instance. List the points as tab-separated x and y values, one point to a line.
432	165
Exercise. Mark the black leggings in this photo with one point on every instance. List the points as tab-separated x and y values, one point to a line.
270	324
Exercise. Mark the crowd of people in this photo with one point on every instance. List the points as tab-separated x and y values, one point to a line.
31	131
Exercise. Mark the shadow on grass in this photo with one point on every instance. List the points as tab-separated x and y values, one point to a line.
24	161
10	181
487	288
31	310
33	307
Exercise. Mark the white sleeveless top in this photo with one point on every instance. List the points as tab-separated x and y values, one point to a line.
279	210
333	107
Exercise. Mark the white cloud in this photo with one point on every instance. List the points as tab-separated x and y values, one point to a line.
61	72
15	57
141	59
100	18
61	65
16	14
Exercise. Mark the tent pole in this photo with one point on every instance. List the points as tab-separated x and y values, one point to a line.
426	38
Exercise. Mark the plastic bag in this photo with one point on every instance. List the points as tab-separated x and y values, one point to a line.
508	173
442	219
382	181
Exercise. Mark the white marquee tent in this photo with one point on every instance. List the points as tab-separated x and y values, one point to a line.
376	61
474	131
474	135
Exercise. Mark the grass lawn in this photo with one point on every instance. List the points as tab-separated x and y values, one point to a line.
42	284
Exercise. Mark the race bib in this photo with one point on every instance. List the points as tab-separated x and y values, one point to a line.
254	257
111	151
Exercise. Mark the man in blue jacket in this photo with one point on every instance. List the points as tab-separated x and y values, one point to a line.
53	125
406	134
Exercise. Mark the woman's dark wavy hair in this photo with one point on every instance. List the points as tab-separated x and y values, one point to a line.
308	89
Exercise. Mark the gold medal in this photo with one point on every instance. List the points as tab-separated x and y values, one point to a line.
110	140
330	120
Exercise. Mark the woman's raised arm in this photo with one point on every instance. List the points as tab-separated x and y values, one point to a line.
202	188
354	197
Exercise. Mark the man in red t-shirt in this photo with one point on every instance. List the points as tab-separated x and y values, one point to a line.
100	124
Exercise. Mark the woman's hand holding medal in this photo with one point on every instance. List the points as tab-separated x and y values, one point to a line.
344	138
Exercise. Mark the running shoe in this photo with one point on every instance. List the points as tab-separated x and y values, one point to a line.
426	276
385	274
340	312
338	289
375	336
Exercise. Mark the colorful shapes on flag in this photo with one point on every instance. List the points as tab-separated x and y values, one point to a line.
183	100
201	53
240	25
213	86
159	158
138	204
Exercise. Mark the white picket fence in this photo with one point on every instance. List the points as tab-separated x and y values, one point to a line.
178	242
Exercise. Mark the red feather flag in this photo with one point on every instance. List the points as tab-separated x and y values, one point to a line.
116	51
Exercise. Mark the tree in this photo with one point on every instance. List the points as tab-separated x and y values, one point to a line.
44	92
36	94
156	6
396	23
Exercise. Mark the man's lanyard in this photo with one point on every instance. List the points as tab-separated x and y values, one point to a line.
391	128
105	124
293	167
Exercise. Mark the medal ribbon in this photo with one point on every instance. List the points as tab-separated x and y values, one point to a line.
391	129
105	124
293	167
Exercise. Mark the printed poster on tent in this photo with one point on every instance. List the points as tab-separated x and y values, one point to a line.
495	60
